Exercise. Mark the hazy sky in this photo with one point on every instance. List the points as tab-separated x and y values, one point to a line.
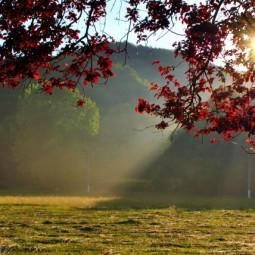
115	26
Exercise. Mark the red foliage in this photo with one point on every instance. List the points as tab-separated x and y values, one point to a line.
213	140
143	106
80	103
213	99
39	36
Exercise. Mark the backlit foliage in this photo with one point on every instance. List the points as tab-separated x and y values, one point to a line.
38	37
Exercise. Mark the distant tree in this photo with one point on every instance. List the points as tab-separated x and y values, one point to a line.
51	138
8	101
188	166
40	40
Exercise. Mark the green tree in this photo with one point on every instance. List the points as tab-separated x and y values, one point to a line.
8	108
51	137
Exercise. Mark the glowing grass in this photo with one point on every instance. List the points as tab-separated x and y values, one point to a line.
55	200
77	225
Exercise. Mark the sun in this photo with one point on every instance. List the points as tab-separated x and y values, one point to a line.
252	44
251	50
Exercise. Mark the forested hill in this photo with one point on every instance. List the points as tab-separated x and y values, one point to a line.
119	148
134	72
127	146
140	58
42	149
196	166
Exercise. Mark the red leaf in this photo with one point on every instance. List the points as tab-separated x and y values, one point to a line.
85	83
154	86
138	110
37	75
80	103
169	77
155	62
214	140
177	84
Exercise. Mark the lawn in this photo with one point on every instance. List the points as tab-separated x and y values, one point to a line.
87	225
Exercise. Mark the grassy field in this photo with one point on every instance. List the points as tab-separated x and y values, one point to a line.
87	225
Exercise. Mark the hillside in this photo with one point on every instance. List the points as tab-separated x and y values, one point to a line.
125	146
126	151
196	166
120	147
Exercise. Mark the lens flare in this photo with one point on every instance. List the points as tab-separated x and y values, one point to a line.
251	50
252	44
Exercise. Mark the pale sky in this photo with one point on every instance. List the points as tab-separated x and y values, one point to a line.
117	27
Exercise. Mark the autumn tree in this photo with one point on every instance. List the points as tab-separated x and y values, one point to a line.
42	40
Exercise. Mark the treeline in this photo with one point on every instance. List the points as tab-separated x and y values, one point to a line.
42	139
191	166
49	144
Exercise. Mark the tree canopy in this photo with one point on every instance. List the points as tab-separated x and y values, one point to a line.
50	138
41	40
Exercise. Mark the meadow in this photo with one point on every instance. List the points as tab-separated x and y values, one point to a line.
48	225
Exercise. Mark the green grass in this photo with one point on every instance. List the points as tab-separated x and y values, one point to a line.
80	225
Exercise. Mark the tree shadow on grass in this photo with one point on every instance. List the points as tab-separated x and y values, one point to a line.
187	202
